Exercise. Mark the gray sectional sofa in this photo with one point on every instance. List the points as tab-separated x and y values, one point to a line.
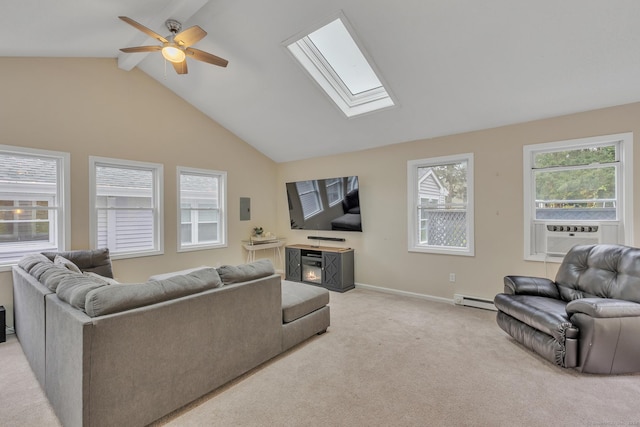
127	354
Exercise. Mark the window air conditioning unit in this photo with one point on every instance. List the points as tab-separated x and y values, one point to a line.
560	238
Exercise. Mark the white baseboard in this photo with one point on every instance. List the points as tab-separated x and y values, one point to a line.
404	293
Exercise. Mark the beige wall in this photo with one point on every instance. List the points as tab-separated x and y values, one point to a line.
381	255
90	107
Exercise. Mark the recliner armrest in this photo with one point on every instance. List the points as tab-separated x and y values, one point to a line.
525	285
604	307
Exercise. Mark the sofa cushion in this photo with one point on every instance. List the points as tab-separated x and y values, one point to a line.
299	299
36	265
53	275
121	297
74	287
98	278
96	260
163	276
63	262
29	261
242	273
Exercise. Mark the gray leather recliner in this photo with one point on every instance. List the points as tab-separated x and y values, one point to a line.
588	319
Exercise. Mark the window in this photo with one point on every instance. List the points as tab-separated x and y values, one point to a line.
441	205
201	196
577	183
334	60
126	207
309	198
34	202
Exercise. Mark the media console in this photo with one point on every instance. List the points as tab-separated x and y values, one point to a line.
331	268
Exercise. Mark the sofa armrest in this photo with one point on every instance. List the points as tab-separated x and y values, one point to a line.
525	285
604	307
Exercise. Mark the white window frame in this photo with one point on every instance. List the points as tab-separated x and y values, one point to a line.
157	171
311	59
61	231
624	186
413	200
222	209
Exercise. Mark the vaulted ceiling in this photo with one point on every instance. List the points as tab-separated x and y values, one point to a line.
452	66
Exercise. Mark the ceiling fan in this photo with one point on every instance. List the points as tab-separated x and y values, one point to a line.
176	47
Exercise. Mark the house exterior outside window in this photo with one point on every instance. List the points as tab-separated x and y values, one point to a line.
202	211
440	205
34	202
577	192
126	207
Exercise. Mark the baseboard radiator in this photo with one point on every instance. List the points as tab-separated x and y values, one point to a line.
469	301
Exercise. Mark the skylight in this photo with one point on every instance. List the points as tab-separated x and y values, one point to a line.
332	57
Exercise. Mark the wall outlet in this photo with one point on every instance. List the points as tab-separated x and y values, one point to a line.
452	277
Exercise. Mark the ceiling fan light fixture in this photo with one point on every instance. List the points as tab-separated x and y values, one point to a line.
173	54
175	46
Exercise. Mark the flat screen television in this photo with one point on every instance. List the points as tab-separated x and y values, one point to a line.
325	204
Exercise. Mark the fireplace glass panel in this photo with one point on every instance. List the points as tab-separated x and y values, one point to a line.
311	270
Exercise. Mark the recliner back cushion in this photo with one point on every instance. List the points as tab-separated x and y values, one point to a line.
601	271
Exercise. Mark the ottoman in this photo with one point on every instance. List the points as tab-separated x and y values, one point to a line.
304	312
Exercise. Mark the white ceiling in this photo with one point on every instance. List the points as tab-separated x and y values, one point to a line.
452	65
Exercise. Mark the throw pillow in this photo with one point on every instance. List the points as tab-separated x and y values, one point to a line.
60	260
243	273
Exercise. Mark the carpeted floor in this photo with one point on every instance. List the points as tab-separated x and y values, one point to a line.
387	360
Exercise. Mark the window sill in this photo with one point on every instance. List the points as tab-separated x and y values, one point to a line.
201	247
458	252
126	255
557	259
7	267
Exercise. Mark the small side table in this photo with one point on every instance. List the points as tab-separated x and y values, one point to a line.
258	245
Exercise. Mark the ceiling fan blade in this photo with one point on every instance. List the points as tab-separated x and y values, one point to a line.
205	57
190	36
137	49
180	67
144	29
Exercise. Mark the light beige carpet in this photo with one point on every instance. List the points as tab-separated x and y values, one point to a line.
386	361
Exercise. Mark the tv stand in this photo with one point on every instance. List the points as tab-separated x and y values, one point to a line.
331	268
